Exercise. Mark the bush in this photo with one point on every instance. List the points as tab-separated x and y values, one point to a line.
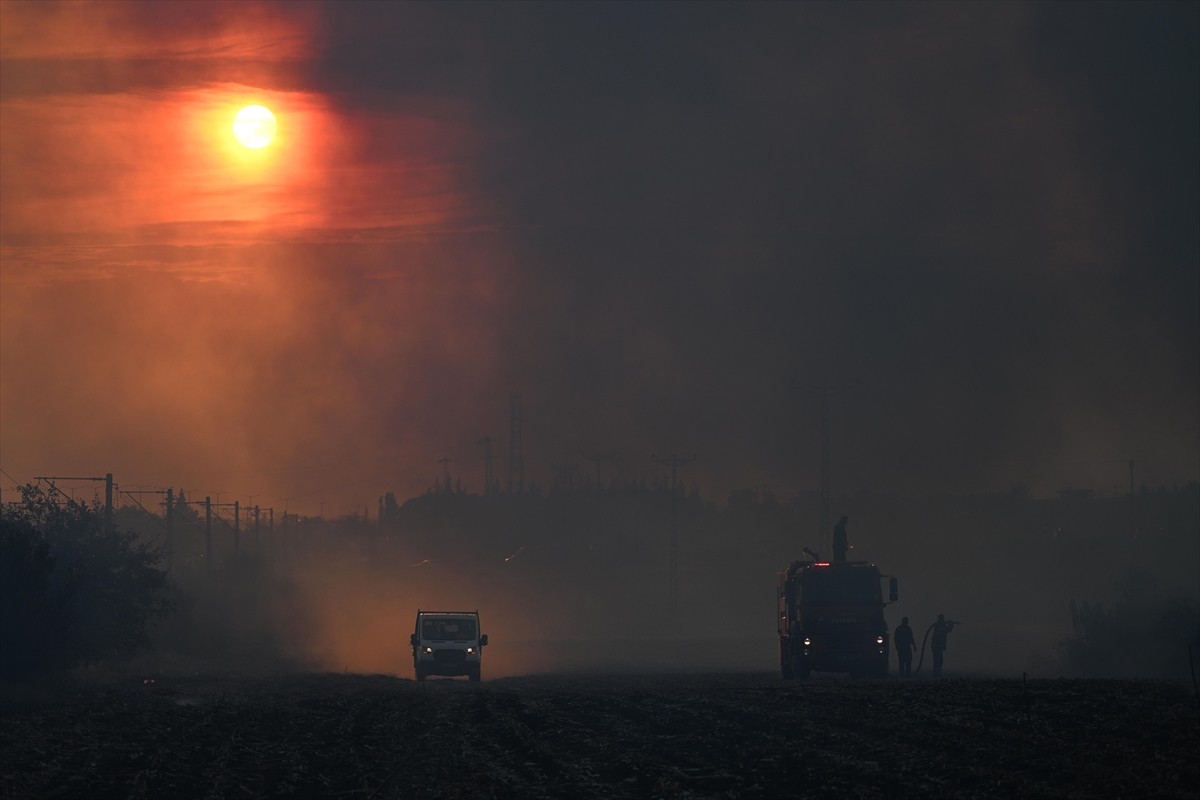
1139	635
72	590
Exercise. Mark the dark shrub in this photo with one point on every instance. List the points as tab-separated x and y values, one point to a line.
72	590
1139	635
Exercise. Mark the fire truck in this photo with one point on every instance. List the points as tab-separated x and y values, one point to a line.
831	618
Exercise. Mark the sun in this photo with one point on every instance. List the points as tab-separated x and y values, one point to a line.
254	127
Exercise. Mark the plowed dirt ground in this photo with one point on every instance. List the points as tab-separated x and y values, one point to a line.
601	736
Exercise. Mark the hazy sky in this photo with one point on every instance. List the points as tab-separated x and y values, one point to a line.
657	222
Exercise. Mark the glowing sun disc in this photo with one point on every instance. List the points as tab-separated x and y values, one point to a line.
254	127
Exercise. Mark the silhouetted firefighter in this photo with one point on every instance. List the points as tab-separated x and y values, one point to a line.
941	629
905	645
840	545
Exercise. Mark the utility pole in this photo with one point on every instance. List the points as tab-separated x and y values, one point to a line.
168	515
208	556
108	491
826	391
489	478
257	538
598	459
170	527
1132	503
209	505
516	456
565	475
674	462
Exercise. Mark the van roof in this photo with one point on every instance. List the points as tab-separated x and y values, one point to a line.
448	613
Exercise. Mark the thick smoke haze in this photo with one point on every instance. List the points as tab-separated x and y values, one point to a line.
658	223
579	580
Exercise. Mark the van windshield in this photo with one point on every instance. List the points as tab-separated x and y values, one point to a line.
448	629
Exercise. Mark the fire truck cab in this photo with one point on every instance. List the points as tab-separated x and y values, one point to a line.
830	619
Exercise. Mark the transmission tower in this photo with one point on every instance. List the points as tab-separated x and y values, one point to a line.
565	475
516	457
598	459
598	524
446	462
826	391
674	462
1133	515
489	478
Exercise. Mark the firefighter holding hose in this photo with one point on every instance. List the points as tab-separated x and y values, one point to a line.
941	629
902	640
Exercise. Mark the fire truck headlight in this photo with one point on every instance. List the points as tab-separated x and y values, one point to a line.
807	641
878	640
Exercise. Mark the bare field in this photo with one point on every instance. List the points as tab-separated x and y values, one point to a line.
601	736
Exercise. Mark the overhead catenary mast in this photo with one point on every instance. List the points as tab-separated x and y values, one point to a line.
108	490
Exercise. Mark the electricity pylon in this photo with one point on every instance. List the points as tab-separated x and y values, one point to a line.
826	391
674	462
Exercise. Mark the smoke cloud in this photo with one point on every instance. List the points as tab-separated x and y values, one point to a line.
658	225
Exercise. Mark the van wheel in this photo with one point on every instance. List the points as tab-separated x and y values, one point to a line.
474	675
420	674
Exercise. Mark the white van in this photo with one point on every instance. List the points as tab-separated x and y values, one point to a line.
447	643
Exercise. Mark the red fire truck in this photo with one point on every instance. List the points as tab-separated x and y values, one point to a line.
831	618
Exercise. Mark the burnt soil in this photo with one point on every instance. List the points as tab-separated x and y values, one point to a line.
601	736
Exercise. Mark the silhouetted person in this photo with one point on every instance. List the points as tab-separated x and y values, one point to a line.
840	545
941	629
905	645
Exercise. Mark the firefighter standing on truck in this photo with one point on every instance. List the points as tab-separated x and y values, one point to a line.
840	542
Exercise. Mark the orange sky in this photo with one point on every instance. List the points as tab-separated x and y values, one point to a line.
658	222
165	314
